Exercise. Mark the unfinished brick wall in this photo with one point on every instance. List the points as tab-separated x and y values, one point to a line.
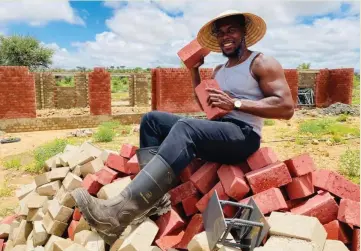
131	84
292	80
99	92
141	90
49	88
340	85
81	89
173	90
17	92
334	86
65	97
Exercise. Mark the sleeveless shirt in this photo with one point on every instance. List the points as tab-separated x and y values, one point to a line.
239	83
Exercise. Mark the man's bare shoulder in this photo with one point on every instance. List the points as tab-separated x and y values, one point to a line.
264	63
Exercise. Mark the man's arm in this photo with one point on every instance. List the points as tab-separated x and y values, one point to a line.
278	102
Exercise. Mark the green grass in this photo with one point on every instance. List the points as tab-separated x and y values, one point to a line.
118	96
342	118
106	131
5	189
327	127
44	152
350	165
6	211
269	122
14	164
66	82
356	90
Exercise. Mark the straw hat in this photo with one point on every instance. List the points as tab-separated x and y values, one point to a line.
255	30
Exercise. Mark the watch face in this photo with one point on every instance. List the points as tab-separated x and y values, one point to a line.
237	103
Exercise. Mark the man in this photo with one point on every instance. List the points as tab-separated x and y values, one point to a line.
253	87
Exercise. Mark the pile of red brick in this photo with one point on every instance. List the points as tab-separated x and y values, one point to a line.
293	185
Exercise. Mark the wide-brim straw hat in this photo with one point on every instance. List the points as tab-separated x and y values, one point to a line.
255	30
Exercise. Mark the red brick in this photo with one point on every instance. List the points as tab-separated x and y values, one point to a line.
268	201
91	183
128	151
9	219
233	181
300	187
181	192
117	162
187	172
349	212
300	165
189	204
106	175
274	175
205	177
245	167
203	94
322	206
336	184
168	222
338	231
356	240
295	203
202	203
169	241
194	227
192	53
76	214
261	158
132	165
71	229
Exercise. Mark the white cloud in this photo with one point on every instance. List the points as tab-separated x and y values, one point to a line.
38	12
141	34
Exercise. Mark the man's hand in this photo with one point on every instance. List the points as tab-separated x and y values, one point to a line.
218	98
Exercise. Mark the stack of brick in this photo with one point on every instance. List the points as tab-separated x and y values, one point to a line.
324	202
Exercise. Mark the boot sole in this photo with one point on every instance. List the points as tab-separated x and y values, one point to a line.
161	207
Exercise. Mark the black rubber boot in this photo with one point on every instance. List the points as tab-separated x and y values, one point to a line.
144	194
145	154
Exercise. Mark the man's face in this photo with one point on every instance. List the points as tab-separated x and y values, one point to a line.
229	36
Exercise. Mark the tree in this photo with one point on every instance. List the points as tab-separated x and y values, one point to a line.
304	66
20	50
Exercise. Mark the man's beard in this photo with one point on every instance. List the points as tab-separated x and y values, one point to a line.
236	53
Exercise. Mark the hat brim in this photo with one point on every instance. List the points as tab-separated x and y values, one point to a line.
255	30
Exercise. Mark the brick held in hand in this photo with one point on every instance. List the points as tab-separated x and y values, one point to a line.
192	53
203	94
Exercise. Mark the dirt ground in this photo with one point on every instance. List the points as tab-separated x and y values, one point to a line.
323	154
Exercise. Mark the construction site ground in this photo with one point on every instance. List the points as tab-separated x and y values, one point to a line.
282	136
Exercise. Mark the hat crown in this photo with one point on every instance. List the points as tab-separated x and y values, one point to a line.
229	12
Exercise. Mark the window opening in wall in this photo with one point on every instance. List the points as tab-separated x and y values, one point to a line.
64	81
306	97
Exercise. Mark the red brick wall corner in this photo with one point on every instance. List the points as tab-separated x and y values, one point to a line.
17	92
99	92
292	80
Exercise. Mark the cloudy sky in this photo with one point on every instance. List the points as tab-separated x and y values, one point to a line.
149	33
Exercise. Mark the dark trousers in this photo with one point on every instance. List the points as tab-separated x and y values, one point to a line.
181	139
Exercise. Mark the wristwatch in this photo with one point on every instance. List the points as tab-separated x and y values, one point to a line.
237	104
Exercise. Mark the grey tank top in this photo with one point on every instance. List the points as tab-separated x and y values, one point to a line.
239	83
